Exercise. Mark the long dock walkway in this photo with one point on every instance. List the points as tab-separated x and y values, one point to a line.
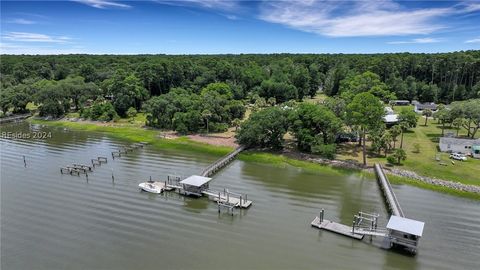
390	197
222	162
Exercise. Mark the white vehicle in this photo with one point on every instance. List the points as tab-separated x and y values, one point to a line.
150	187
458	156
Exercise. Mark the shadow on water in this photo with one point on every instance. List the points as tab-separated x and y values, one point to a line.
194	204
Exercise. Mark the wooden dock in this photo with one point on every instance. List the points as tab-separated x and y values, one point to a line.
228	198
14	118
390	198
336	228
222	162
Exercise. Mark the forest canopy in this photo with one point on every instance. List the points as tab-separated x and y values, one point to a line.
191	93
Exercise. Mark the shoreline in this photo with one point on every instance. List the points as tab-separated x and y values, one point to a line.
296	159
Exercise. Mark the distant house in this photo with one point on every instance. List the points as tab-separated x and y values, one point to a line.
400	102
420	107
458	145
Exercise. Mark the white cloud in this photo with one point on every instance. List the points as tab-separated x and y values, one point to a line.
354	18
475	40
470	7
34	37
21	21
103	4
417	41
13	48
230	5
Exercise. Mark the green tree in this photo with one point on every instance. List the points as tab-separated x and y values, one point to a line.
407	119
395	131
127	91
457	123
264	128
366	112
313	125
206	114
131	113
427	113
399	155
365	82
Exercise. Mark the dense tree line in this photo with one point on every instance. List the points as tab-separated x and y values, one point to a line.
210	92
443	78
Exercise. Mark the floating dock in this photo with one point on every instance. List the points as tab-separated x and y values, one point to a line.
336	228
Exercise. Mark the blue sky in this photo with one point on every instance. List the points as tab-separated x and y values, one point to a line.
236	26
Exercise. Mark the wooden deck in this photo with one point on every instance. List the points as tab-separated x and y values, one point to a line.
336	228
235	201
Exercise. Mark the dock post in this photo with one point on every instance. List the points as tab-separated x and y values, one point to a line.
353	227
240	200
322	214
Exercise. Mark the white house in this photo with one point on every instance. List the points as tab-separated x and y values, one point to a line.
457	145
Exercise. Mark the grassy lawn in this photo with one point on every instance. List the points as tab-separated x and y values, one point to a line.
319	97
424	162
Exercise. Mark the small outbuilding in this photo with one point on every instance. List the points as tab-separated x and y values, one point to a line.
476	151
420	107
404	232
459	145
400	102
195	184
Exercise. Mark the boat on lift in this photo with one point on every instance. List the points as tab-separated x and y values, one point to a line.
150	187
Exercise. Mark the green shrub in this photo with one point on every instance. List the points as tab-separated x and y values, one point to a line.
391	160
100	110
325	150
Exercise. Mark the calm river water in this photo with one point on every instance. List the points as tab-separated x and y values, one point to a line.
53	221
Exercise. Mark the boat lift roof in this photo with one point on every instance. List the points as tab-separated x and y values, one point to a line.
406	225
195	180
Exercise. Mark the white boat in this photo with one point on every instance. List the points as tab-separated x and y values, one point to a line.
150	187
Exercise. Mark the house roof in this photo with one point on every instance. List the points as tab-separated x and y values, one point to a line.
390	118
195	180
431	106
459	141
405	225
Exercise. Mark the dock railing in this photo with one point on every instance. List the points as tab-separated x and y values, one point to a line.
221	162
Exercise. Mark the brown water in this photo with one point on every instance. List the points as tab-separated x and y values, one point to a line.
53	221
